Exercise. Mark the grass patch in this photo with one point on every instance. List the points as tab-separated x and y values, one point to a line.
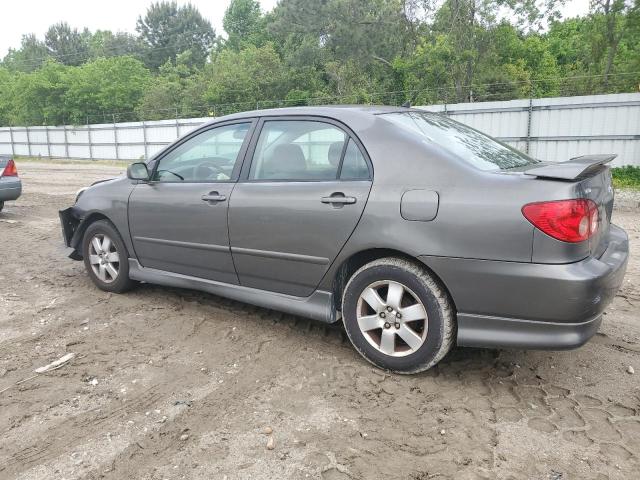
66	161
626	177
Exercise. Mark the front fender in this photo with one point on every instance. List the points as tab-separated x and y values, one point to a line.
74	226
103	201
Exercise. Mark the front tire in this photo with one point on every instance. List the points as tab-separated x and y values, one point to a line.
106	258
398	316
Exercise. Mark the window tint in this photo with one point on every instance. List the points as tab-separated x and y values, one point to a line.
476	148
209	156
297	150
354	165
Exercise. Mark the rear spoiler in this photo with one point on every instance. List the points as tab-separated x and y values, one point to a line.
571	169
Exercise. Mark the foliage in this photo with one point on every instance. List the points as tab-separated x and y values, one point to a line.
330	51
245	77
30	56
55	94
66	44
626	177
168	29
242	23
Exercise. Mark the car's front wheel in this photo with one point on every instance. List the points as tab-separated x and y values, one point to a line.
398	316
106	258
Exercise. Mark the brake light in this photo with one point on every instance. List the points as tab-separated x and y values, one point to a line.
571	221
10	170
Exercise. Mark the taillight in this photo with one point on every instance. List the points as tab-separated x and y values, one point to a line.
571	221
10	170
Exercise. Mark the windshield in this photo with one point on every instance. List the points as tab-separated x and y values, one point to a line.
470	145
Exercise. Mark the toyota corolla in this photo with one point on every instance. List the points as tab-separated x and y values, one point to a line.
416	231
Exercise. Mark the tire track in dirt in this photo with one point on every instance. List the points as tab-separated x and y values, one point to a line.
479	414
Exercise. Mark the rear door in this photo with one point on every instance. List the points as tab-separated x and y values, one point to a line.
178	221
301	198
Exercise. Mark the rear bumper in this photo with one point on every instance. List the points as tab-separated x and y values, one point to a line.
495	332
10	188
531	305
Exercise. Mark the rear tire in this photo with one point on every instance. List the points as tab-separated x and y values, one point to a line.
106	258
398	316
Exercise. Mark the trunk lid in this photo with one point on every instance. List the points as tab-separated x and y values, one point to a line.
591	178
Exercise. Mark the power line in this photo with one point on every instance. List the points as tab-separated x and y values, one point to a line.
441	94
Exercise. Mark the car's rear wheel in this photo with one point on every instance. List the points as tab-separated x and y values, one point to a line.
106	258
398	316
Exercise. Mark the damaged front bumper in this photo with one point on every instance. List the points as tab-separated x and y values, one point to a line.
69	222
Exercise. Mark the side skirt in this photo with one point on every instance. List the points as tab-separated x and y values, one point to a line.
318	305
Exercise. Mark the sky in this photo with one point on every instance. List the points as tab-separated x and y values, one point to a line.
35	16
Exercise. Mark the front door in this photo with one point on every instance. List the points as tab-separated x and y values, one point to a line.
178	221
299	204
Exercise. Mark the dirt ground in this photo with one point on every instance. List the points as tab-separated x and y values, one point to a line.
176	384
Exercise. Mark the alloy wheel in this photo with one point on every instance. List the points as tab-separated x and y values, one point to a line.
392	318
104	258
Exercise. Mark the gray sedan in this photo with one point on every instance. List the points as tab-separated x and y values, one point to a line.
416	231
10	184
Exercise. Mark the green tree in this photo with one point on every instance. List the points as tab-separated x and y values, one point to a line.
105	86
237	80
168	29
242	23
67	45
30	56
104	43
38	97
177	90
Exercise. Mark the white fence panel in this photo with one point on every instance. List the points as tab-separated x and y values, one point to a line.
552	129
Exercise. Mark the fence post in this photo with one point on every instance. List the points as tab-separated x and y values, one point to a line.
46	132
90	144
177	125
28	141
115	136
144	139
13	148
529	124
66	142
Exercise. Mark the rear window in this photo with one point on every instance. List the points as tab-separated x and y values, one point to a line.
470	145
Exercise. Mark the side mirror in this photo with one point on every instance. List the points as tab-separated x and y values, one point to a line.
138	171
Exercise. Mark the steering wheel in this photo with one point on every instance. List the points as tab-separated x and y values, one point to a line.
212	167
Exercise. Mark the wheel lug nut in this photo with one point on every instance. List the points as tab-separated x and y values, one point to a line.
387	325
397	325
389	309
383	315
398	315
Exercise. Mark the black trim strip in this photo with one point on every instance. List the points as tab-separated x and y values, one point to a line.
176	243
295	257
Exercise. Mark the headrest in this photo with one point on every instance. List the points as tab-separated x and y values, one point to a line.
285	160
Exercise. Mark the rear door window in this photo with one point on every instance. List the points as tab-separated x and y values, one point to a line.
354	165
298	150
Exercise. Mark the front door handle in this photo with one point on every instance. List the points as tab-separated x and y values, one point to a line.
338	198
212	197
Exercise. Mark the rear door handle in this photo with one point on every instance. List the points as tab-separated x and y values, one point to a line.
339	199
213	197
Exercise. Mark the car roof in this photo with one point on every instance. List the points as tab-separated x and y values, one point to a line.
339	112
